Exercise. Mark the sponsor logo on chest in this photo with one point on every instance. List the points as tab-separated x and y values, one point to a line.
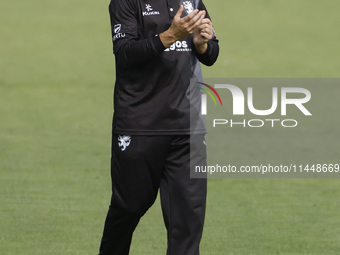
179	46
149	11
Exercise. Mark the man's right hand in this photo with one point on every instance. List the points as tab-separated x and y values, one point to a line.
181	28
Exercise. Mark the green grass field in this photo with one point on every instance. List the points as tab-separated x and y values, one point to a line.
57	77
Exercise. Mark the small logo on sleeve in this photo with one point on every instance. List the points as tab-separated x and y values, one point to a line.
117	28
117	32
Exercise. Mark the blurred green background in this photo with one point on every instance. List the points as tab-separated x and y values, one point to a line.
56	83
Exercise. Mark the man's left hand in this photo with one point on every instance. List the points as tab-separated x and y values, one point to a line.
203	34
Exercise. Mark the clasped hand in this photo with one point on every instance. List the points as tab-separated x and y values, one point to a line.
194	23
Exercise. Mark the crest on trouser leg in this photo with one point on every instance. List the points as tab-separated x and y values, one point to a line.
124	141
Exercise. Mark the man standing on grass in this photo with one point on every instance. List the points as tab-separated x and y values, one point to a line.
158	131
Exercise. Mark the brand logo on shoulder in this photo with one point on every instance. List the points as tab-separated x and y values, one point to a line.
149	11
124	141
117	32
